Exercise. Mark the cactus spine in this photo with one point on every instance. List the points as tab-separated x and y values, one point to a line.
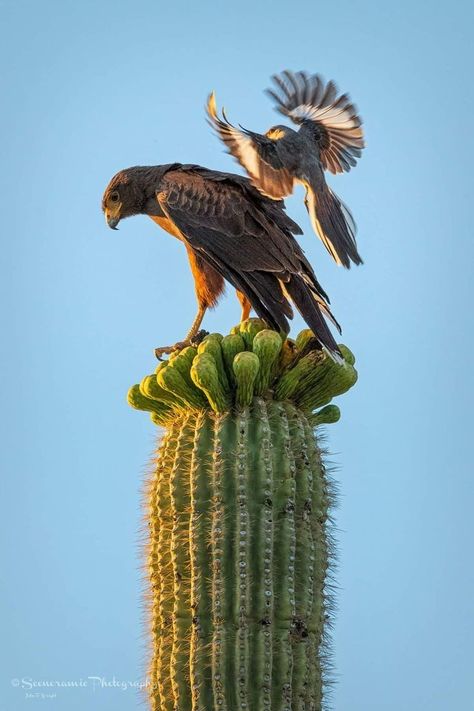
238	507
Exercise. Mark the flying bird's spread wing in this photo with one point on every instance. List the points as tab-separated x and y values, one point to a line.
224	222
309	100
255	152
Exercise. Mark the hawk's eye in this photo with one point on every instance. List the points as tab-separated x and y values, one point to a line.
114	197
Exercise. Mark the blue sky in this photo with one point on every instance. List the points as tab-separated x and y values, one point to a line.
89	88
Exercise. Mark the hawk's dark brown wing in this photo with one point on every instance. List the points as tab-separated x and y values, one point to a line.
231	227
255	152
309	100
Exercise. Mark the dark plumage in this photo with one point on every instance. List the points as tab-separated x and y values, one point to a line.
231	229
330	138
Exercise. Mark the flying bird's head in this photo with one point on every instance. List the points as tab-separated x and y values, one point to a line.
275	133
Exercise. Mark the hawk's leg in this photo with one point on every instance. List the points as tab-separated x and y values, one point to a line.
189	337
209	286
246	305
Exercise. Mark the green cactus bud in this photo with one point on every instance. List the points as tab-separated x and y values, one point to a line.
246	366
327	416
150	388
303	338
212	345
287	354
205	375
267	346
230	346
334	381
325	371
170	379
249	329
214	336
348	356
161	366
291	381
138	401
183	361
324	368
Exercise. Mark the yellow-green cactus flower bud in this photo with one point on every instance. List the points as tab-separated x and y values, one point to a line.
267	346
171	379
347	354
230	346
249	329
246	366
161	366
138	401
205	375
287	354
327	416
291	381
212	345
183	362
335	381
303	338
214	336
150	388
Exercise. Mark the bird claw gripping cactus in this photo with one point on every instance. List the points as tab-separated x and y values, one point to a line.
239	546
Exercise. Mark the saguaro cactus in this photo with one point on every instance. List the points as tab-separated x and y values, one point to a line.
238	509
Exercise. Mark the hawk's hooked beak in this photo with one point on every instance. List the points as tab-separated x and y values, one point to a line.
112	216
112	222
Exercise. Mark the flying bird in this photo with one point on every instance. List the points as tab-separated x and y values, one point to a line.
330	137
231	232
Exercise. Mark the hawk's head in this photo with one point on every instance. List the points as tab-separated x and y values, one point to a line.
133	192
122	198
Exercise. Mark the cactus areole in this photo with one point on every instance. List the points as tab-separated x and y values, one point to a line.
237	512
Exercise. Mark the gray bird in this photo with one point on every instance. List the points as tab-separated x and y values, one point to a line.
330	137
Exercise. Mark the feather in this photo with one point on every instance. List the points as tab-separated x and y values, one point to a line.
306	98
255	152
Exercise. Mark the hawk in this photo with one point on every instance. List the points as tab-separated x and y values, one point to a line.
231	232
330	137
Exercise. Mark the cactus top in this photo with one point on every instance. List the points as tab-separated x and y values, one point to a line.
226	372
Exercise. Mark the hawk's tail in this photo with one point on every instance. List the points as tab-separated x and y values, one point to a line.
334	224
311	308
268	296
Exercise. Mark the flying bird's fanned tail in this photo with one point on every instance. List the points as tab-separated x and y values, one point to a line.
333	222
308	100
